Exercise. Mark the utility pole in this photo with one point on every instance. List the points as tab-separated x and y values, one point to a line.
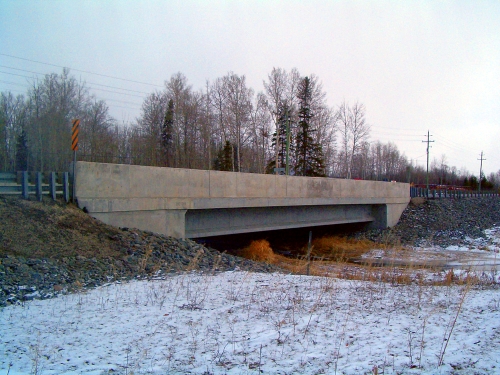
427	176
481	171
287	171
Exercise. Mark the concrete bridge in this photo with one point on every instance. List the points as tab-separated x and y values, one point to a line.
192	203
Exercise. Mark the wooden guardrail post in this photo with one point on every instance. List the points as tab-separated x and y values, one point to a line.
24	184
53	186
39	187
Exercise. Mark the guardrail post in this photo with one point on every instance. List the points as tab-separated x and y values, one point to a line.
66	186
25	185
53	187
39	189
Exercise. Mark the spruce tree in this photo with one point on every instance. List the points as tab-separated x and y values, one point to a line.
225	158
167	134
309	154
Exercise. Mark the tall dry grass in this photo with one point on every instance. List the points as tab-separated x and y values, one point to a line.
331	257
259	250
340	248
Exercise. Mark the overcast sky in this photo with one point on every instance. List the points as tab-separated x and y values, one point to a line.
415	65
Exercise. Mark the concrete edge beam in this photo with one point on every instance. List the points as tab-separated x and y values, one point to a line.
153	204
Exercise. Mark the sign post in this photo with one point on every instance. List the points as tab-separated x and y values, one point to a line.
74	147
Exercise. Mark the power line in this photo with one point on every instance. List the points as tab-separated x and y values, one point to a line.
123	102
397	135
134	105
79	70
14	74
90	83
13	83
115	92
90	87
399	130
453	145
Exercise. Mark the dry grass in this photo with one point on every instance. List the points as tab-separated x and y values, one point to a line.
331	259
260	251
53	230
340	248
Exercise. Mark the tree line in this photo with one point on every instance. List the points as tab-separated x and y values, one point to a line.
286	128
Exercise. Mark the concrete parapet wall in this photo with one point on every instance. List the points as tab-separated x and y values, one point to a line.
157	199
188	186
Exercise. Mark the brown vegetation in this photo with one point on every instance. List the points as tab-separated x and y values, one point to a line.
339	248
260	251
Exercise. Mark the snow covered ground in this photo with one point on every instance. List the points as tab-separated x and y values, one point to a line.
249	323
245	323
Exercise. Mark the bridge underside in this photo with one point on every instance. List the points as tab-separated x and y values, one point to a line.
216	222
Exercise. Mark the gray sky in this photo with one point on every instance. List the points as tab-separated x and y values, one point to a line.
415	65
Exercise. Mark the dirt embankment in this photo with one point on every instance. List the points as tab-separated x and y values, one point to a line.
51	246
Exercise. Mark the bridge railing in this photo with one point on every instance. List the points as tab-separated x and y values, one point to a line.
449	193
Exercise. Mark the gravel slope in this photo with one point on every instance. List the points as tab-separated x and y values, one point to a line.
441	222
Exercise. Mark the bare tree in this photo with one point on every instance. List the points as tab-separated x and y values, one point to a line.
13	117
150	125
96	127
218	103
260	124
232	101
354	131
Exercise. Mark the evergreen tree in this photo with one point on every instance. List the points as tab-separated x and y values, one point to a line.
309	154
225	158
284	121
22	151
167	133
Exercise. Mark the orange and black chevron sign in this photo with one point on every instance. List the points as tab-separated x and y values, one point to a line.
74	135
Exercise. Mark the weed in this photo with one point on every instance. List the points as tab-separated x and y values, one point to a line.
453	322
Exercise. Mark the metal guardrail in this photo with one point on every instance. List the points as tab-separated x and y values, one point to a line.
452	193
10	185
